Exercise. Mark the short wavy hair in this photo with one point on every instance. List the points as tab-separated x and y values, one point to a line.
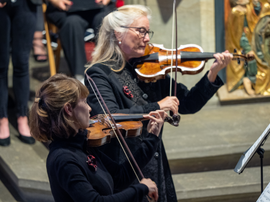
47	116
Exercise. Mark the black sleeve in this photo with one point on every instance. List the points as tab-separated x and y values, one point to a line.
110	93
123	174
72	179
191	101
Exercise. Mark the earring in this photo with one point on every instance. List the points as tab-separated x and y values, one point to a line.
119	42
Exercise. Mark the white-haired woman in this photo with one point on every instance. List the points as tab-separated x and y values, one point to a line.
124	35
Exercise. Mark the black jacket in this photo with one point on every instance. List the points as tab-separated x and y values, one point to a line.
36	2
78	5
144	99
72	179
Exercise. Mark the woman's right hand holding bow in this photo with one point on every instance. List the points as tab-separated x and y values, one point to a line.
152	187
169	103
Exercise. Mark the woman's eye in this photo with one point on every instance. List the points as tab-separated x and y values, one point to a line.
142	30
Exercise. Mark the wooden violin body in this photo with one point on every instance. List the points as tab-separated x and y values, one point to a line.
100	131
158	61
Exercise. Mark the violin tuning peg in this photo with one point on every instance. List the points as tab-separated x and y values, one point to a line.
235	50
238	61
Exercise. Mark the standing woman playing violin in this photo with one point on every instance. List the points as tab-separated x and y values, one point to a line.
124	35
76	173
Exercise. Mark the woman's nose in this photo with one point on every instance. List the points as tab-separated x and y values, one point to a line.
146	38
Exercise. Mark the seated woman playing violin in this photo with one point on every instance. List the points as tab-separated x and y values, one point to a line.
123	36
77	173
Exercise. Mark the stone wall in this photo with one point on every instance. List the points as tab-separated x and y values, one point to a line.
195	25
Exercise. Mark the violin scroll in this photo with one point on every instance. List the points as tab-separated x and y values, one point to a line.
243	57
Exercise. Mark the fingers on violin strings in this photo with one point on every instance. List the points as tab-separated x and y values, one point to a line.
162	113
221	58
227	54
229	57
154	116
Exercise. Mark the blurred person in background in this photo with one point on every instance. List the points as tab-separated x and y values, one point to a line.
73	18
18	22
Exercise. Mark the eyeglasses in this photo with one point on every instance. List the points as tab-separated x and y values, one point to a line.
142	31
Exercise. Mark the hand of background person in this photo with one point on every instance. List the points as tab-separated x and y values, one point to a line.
222	60
156	121
152	187
169	103
61	4
103	2
2	4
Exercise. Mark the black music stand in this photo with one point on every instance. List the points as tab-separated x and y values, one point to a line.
247	156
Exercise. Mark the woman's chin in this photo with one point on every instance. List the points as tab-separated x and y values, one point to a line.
140	53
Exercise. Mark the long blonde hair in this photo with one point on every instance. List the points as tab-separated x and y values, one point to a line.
107	49
47	115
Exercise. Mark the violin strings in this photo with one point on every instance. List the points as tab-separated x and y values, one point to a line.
115	133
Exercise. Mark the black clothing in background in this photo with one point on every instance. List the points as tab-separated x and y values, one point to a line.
145	98
72	179
72	26
37	2
17	26
82	5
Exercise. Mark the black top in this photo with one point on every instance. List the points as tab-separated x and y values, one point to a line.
83	5
72	179
144	99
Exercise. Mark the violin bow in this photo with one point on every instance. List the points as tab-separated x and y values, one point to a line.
175	117
115	129
117	133
172	49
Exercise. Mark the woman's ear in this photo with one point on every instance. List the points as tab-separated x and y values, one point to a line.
68	109
118	36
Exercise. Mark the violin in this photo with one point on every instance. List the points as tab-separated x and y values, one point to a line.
156	62
100	131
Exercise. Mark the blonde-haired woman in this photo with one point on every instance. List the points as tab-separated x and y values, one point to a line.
61	115
123	36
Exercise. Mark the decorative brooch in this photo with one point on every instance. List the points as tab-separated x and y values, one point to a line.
127	92
92	162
